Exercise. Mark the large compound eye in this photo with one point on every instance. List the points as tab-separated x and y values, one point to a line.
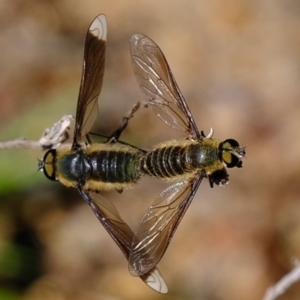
49	164
229	153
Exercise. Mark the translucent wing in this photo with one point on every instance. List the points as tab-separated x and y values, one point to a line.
159	224
158	85
92	78
121	233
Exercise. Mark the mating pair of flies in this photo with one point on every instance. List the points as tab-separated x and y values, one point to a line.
94	167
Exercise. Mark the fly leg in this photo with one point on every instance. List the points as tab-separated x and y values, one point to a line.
123	124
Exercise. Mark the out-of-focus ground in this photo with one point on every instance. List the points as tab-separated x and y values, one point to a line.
238	65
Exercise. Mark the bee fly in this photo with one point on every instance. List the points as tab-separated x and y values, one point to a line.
95	167
187	161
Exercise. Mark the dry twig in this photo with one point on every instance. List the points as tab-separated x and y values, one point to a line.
284	283
52	137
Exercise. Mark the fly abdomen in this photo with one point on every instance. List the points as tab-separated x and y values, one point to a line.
164	162
114	166
185	157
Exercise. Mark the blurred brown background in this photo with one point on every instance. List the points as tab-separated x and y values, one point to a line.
238	65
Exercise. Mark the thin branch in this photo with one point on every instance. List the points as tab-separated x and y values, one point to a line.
21	143
52	137
284	283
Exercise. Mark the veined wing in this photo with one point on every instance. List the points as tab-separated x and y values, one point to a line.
122	234
159	224
158	85
92	78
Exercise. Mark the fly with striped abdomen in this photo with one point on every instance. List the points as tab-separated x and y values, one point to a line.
186	161
94	167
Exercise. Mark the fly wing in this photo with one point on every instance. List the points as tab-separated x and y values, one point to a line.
92	78
158	85
159	224
122	234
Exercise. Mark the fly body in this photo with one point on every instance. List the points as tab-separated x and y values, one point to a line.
95	167
185	161
182	159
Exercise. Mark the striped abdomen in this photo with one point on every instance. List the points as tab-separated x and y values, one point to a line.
114	166
178	158
97	167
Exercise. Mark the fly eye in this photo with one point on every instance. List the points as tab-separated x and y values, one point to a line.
230	160
230	144
229	153
49	164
